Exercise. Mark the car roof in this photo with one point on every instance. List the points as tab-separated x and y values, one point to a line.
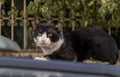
60	66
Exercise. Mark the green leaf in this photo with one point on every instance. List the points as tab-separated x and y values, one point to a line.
91	3
2	1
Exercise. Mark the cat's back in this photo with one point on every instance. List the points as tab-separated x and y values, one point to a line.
79	37
86	32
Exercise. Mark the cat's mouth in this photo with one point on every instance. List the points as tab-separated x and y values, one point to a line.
45	46
48	46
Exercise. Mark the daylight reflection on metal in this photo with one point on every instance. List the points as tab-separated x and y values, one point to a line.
24	67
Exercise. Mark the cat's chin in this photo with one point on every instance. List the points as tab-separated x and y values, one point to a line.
45	46
52	47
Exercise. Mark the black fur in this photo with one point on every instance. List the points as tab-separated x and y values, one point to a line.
86	43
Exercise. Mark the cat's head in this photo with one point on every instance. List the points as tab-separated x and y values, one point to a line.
48	36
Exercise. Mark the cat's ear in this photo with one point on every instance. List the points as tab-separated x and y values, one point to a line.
34	25
58	27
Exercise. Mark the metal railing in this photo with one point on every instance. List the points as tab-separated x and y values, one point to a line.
24	21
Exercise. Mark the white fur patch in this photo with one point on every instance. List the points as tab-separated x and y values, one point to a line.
46	45
41	58
42	40
52	48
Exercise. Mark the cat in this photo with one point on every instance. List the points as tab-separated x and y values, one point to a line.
78	45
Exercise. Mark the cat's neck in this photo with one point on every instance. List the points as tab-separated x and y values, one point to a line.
53	47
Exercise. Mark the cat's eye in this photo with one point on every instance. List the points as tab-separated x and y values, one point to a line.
39	34
49	35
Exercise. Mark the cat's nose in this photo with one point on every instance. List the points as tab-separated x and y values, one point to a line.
43	41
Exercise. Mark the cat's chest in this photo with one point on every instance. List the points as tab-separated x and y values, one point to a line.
65	52
53	47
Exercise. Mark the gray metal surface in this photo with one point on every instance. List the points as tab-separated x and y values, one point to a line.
71	69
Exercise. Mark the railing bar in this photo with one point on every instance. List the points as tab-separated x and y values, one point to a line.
0	19
12	32
25	25
6	18
73	21
12	22
24	18
0	27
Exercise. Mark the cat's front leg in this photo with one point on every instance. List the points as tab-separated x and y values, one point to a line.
41	58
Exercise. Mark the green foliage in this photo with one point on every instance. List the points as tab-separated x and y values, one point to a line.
14	11
109	11
90	12
72	4
108	7
2	1
79	13
44	7
32	9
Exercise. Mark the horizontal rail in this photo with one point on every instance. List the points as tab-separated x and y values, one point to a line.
60	66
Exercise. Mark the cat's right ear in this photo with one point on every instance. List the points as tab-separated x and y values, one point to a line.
58	27
34	25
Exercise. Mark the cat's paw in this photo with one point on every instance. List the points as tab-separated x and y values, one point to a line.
95	62
41	58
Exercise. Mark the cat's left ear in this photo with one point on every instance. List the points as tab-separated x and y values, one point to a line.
58	27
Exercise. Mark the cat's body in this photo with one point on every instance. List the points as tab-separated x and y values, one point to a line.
78	45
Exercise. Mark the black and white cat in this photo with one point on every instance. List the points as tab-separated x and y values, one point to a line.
79	45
